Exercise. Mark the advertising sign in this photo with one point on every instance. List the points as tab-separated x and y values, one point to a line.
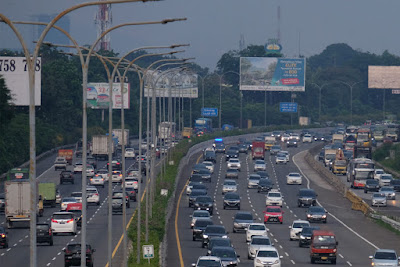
396	92
98	95
209	112
384	77
177	84
15	73
272	74
273	46
288	107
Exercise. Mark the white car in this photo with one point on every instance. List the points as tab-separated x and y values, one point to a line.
77	196
131	182
294	178
274	198
378	173
199	214
97	180
63	222
130	153
285	137
255	229
92	195
280	158
208	261
209	166
233	164
286	154
253	180
295	136
78	167
229	186
260	165
296	228
307	138
267	256
378	199
116	177
89	171
67	200
256	243
102	173
385	179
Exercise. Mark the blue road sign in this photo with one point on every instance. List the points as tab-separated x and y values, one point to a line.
288	107
209	112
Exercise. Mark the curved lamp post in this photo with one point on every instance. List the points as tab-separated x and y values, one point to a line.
351	97
220	94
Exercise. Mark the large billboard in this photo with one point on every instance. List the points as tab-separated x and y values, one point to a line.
15	73
177	84
384	77
272	74
98	95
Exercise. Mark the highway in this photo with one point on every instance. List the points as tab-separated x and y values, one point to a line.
358	237
18	252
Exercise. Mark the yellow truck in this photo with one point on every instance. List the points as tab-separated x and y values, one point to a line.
339	165
269	142
187	132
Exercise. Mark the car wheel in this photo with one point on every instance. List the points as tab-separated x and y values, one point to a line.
6	245
224	207
194	238
239	207
281	222
325	221
300	245
61	181
98	203
312	260
51	242
334	262
248	256
66	264
233	230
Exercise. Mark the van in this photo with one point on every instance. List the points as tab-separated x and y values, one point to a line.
323	246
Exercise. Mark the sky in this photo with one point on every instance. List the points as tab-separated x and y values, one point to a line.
214	27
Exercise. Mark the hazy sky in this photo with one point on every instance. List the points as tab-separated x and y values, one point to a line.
214	26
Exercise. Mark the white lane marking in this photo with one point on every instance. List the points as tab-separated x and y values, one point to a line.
340	255
26	236
287	255
15	245
280	246
2	254
292	261
349	263
8	249
337	219
59	253
48	264
276	240
20	240
54	258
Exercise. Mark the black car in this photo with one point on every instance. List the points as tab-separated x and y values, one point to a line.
205	174
197	178
264	185
2	204
199	226
44	233
227	255
234	148
371	185
91	161
116	165
198	167
321	155
231	154
218	242
243	148
120	194
131	193
66	177
395	183
213	231
204	203
291	143
232	200
263	174
305	235
72	255
316	214
3	237
117	204
220	148
232	173
242	220
194	194
210	156
306	197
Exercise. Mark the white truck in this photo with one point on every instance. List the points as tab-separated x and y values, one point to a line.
118	133
166	130
18	202
100	147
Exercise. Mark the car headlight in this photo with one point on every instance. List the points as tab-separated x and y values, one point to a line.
302	237
258	260
236	224
324	216
205	236
224	236
308	215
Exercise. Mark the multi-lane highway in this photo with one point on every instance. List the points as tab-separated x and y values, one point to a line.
97	220
358	236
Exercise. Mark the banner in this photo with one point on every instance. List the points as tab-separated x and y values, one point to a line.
384	77
272	74
98	95
177	84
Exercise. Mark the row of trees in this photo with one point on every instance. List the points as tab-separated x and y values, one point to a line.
59	118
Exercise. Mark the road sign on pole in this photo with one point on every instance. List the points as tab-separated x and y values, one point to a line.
288	107
209	112
148	252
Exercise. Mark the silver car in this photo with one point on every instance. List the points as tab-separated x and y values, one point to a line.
257	242
385	257
229	186
388	191
259	165
199	214
253	180
379	199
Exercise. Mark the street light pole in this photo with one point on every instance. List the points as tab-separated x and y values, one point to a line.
220	94
351	97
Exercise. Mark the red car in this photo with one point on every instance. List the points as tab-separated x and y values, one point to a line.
273	214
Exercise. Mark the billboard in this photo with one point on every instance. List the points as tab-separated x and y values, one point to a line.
384	77
98	95
15	73
272	74
178	84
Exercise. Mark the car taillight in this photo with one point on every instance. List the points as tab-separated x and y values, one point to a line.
91	179
70	221
3	235
132	192
96	194
118	163
49	230
54	221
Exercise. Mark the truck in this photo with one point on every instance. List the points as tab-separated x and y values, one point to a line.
60	163
17	174
202	125
18	201
337	138
48	193
363	152
329	156
187	132
100	147
166	130
339	165
67	154
258	150
392	132
378	133
269	142
118	133
323	246
364	137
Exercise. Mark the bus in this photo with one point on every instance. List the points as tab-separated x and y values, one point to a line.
18	174
203	125
359	170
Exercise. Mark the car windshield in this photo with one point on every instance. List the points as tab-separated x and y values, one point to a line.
274	195
324	240
256	227
220	242
224	253
232	196
229	183
254	177
208	263
300	225
261	241
309	230
275	147
385	256
244	216
203	223
40	227
386	189
281	155
372	182
294	175
386	177
215	229
203	199
69	199
273	210
234	161
201	214
267	253
307	193
76	247
260	162
316	209
197	193
378	195
63	216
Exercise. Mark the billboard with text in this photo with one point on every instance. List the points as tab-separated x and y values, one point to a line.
272	74
177	84
98	95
